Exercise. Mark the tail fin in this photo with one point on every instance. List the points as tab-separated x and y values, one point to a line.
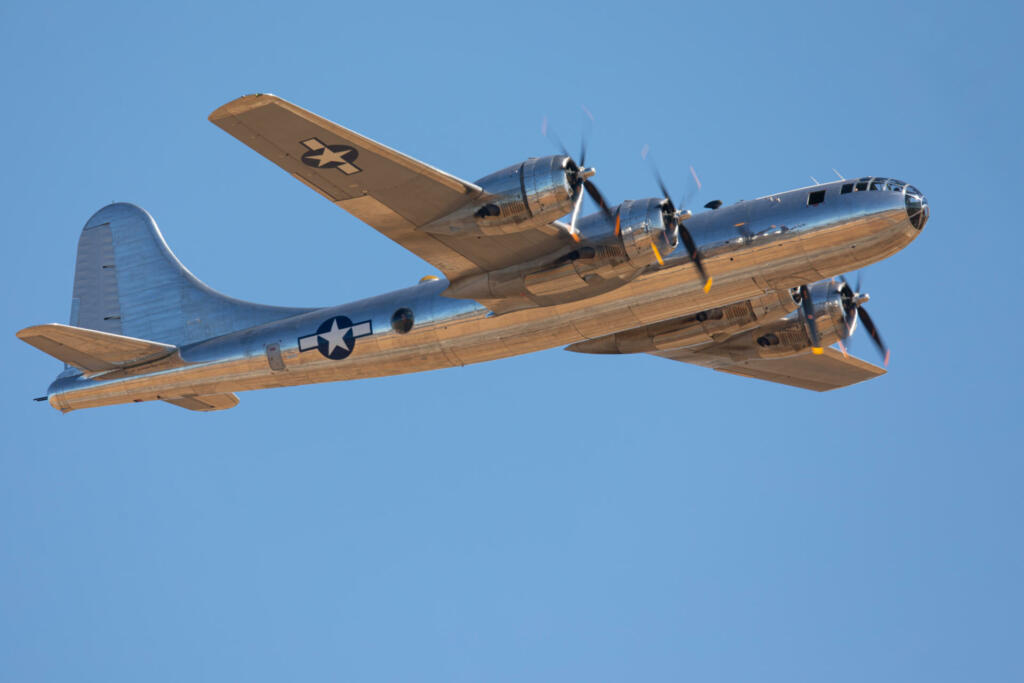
128	283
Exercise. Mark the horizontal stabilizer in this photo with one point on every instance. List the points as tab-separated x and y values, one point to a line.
206	402
92	350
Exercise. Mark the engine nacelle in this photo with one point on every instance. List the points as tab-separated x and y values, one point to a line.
612	253
647	230
834	315
530	194
642	230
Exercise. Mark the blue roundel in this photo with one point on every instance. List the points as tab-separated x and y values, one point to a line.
335	338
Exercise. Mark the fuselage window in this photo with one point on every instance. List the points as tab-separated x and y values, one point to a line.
816	197
847	188
894	186
878	183
861	187
402	320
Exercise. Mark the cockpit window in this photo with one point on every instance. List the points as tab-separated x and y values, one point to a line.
877	184
816	197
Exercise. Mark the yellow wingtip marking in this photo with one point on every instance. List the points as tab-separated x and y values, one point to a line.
707	286
817	350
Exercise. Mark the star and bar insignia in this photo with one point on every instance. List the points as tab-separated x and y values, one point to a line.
336	337
340	157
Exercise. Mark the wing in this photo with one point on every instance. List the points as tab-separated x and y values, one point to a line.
830	370
393	193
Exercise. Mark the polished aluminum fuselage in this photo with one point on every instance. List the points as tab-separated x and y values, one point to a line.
751	248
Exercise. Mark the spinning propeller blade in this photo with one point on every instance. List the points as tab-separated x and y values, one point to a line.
869	325
807	313
854	301
684	233
583	182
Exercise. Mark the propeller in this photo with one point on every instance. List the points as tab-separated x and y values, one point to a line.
680	216
853	305
581	179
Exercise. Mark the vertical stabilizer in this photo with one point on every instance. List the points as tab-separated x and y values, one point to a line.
127	282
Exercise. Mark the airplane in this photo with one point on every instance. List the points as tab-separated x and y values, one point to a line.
635	277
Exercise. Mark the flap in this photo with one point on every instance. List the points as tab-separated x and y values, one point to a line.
92	350
205	403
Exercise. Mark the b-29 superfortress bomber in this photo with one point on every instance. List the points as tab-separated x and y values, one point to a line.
754	288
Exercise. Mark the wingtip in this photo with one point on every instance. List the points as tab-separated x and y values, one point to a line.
32	331
242	104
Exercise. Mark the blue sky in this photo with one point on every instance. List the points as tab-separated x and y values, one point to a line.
554	516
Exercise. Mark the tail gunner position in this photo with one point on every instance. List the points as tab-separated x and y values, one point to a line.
631	278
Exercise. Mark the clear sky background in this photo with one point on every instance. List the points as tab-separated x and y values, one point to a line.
549	517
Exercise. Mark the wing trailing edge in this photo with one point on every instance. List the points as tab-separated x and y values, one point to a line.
205	403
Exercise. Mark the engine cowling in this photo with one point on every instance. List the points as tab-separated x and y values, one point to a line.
647	229
644	230
526	195
834	314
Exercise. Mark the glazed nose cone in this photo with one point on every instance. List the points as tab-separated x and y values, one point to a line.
917	207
